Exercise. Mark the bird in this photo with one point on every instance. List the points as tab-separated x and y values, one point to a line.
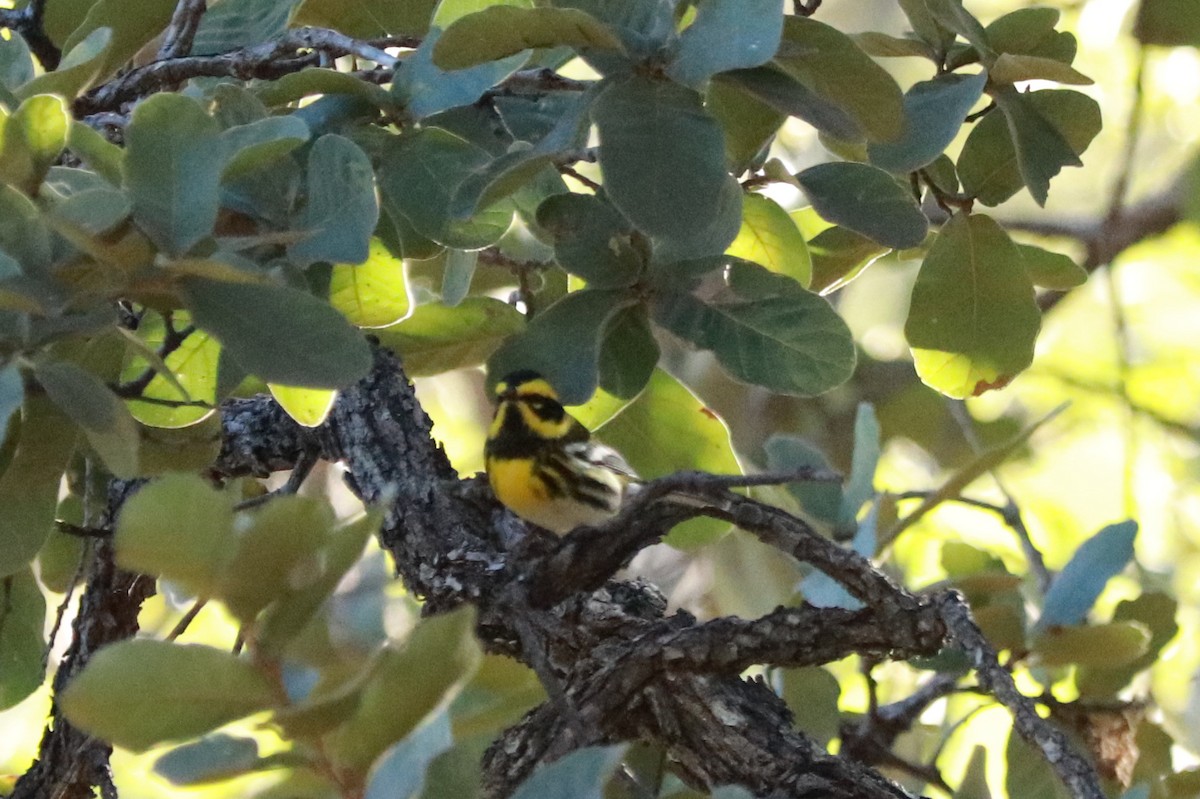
544	465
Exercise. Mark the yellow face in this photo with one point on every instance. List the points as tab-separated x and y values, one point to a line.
537	403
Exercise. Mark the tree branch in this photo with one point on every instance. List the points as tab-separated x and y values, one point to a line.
29	23
181	32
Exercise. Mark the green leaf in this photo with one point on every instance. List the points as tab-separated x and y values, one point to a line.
173	164
1156	612
29	486
628	353
178	527
346	88
591	239
934	111
277	550
663	162
866	200
989	166
141	692
973	319
925	26
820	500
1030	31
341	211
1110	645
499	31
830	64
16	62
668	429
104	419
436	338
776	89
213	758
22	641
1171	23
725	35
770	238
281	334
974	782
459	270
1051	270
1035	778
23	232
1042	149
765	329
401	770
436	660
34	137
373	293
425	89
953	16
580	775
748	123
860	485
838	256
1075	589
256	144
194	367
12	394
231	24
419	177
96	152
133	24
368	18
1010	68
812	694
881	45
563	342
78	70
288	615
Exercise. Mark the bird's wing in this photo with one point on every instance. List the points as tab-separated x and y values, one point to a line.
596	454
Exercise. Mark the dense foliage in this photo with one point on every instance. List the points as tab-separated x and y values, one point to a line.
200	204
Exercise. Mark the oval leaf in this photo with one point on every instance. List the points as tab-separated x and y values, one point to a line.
770	238
281	334
110	428
373	293
765	329
437	338
142	692
866	200
934	111
725	35
973	320
1075	589
341	212
499	31
663	162
22	621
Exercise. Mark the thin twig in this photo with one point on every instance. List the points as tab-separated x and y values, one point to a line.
181	626
172	340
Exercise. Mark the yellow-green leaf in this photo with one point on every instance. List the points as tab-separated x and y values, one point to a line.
769	237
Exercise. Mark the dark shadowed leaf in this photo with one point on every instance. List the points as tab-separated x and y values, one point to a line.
12	394
239	23
725	35
1035	778
341	212
973	320
1167	22
628	353
1009	68
663	162
425	89
580	775
865	200
989	166
776	89
96	152
830	64
281	334
130	32
591	239
1042	149
211	759
29	486
22	641
748	122
142	692
173	163
1030	31
838	256
1077	586
934	111
563	342
368	18
104	419
499	31
436	338
765	329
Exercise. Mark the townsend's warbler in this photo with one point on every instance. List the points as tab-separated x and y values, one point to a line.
543	464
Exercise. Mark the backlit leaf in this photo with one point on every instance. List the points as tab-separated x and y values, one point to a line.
308	406
373	293
437	338
838	256
1051	270
1095	645
33	138
22	641
973	320
770	238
